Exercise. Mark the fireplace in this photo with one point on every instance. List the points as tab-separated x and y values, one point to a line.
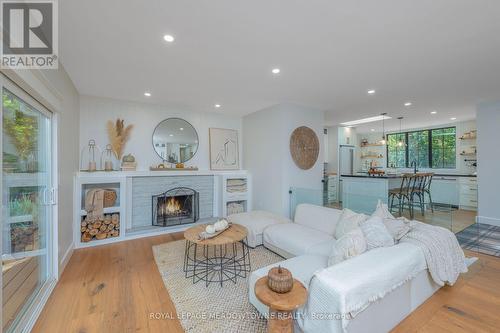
177	206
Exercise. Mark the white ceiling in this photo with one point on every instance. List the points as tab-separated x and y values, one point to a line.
442	55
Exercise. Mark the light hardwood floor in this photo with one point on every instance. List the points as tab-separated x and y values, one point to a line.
115	288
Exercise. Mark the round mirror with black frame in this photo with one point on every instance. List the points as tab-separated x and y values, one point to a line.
175	140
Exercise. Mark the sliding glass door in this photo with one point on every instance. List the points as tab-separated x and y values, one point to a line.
27	201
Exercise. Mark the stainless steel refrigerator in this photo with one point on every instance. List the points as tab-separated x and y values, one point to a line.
346	160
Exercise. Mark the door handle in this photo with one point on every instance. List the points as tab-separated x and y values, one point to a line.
53	196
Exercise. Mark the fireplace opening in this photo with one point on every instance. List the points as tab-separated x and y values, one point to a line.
175	207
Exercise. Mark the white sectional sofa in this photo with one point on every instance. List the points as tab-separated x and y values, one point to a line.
394	279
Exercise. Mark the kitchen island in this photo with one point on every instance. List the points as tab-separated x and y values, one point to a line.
361	193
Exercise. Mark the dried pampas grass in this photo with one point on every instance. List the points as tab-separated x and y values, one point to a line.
118	136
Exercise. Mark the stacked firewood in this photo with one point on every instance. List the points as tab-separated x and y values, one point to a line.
23	237
100	228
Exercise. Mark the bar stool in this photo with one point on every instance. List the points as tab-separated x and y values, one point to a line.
427	189
418	190
403	194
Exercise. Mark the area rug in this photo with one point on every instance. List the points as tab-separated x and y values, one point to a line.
211	309
480	237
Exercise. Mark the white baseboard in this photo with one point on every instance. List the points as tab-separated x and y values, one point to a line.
65	259
488	220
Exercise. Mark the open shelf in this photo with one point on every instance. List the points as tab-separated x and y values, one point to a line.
372	145
235	190
107	210
370	156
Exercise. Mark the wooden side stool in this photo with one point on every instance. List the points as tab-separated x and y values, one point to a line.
281	306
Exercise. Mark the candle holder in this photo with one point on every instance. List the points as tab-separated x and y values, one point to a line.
88	157
108	159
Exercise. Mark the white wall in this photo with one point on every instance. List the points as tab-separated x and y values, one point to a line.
266	140
488	129
96	111
56	91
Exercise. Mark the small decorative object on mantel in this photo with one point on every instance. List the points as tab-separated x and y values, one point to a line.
163	167
279	280
129	163
213	230
304	147
118	136
107	158
88	157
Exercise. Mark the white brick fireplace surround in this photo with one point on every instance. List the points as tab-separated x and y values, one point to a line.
135	190
143	188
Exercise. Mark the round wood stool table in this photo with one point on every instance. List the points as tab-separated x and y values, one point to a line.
222	258
281	306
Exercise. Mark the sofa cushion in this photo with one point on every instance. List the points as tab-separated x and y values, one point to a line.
255	222
382	211
303	269
348	246
320	218
322	249
293	238
376	234
348	221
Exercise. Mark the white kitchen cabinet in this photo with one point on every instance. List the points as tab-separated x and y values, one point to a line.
468	193
444	190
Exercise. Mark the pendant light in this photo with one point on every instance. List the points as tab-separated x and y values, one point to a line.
400	143
383	141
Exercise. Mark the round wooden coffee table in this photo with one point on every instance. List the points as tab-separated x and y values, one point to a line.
281	306
216	260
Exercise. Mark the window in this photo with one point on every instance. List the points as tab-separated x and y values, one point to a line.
444	148
435	148
418	148
396	151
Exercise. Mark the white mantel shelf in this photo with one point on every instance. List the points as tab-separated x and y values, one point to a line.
147	173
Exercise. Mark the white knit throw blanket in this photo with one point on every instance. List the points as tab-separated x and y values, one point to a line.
444	257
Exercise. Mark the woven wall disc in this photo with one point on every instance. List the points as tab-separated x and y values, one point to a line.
304	147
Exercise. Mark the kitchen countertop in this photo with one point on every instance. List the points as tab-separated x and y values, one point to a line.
372	177
397	176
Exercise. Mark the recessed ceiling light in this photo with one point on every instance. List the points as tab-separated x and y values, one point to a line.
181	129
217	106
276	71
168	38
453	118
171	135
147	94
373	130
371	92
434	112
408	104
364	121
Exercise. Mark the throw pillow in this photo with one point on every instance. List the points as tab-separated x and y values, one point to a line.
382	211
398	228
349	245
376	234
348	221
